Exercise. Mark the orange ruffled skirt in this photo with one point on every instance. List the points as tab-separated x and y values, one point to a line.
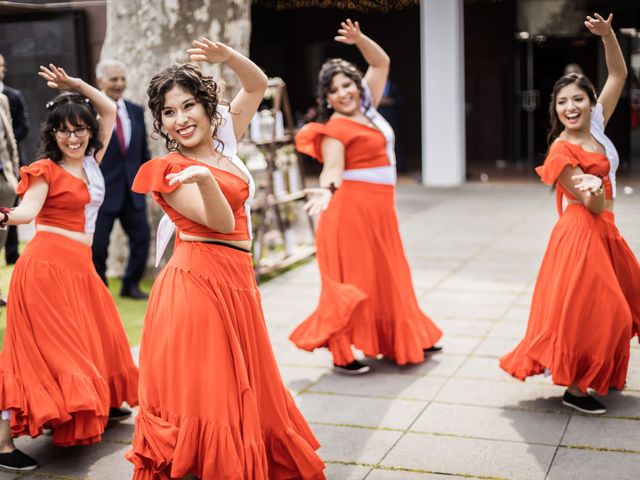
212	402
367	297
66	358
585	307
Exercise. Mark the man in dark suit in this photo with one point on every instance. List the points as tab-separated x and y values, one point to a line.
127	150
20	124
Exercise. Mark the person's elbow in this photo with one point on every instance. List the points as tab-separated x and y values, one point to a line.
262	82
110	109
224	225
595	209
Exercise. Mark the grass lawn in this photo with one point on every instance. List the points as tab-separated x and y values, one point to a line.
131	311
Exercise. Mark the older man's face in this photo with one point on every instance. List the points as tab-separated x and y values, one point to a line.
3	68
114	83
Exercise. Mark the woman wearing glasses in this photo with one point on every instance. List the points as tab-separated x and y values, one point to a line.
66	363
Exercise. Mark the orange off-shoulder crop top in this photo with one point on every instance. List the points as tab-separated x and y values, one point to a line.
151	178
562	154
71	203
365	147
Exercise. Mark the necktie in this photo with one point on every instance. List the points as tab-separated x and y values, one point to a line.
120	134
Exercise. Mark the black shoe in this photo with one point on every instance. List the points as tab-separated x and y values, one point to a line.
118	414
17	461
3	300
586	404
12	258
354	368
133	292
433	349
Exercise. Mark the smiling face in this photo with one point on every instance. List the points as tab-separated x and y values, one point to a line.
185	120
344	95
113	83
573	108
72	145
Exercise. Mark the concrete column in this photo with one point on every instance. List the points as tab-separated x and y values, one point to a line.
443	102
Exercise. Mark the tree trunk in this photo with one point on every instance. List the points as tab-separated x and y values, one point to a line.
149	35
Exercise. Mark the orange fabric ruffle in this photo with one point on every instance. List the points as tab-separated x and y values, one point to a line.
152	176
212	400
585	307
309	138
66	358
367	292
560	156
41	168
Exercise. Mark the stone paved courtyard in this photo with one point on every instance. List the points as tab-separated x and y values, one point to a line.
474	253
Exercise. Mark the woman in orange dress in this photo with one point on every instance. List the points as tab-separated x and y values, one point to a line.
367	298
212	403
66	363
586	303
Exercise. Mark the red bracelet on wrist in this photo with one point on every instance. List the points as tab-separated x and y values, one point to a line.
5	212
332	188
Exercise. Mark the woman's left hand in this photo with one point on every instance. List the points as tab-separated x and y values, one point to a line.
587	183
192	174
204	50
317	200
56	77
349	32
598	25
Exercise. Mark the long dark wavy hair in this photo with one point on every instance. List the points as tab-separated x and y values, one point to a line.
330	69
77	111
580	81
191	79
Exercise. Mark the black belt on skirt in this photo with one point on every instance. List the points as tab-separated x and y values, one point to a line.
222	244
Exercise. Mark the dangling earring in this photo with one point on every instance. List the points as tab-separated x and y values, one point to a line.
172	145
328	106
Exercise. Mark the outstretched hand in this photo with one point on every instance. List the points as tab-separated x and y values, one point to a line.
317	200
204	50
349	32
192	174
598	25
56	77
587	183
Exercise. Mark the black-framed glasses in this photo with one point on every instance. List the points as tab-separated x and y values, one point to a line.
79	132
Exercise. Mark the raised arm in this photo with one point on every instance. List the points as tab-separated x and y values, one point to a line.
56	77
252	79
616	67
377	59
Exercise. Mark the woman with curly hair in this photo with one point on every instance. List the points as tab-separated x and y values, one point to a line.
212	403
367	297
66	364
586	302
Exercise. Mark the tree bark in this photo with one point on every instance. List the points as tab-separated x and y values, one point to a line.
149	35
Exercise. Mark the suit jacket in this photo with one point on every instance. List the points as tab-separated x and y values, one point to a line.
19	118
119	170
8	154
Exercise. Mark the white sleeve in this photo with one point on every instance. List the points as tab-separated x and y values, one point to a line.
597	118
226	142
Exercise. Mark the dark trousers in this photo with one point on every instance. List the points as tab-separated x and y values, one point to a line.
135	225
11	245
7	199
